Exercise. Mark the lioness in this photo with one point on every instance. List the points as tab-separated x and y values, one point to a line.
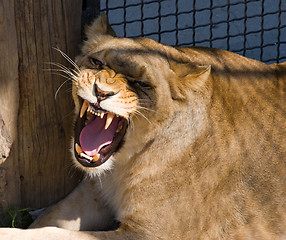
177	143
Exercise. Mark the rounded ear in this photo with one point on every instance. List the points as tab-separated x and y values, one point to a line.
100	26
188	76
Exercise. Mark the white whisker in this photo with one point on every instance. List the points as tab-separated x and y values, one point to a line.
59	74
145	109
131	123
142	115
65	69
68	58
60	88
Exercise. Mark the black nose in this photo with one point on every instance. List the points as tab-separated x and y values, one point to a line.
100	94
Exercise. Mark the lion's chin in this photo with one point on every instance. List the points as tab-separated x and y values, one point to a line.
98	135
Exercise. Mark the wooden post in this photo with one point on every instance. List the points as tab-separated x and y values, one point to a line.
38	170
9	98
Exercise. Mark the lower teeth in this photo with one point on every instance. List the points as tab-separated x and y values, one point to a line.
82	154
96	157
89	157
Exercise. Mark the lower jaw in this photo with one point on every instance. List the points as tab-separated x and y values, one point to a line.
91	164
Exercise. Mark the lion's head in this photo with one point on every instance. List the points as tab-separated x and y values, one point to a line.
126	91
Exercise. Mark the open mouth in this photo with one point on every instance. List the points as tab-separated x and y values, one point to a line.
98	134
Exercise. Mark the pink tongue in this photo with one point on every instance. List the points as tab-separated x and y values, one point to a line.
94	137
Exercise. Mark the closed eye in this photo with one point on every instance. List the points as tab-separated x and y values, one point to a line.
142	84
95	62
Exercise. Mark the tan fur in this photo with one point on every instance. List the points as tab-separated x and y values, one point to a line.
204	158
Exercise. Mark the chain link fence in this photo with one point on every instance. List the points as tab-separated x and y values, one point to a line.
253	28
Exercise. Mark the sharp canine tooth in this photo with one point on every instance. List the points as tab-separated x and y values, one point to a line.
84	106
78	149
96	157
109	119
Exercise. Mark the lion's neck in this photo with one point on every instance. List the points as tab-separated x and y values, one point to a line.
160	141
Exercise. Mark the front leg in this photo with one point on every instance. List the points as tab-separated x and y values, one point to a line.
54	233
47	233
82	209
